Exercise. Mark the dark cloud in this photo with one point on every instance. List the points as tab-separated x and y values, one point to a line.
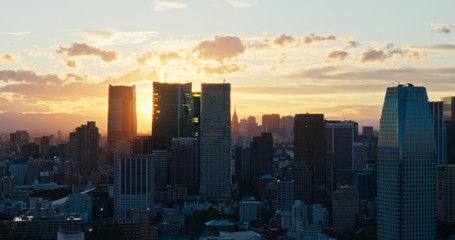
284	40
8	58
310	38
337	56
83	49
221	48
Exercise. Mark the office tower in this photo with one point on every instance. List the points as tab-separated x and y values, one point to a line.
360	156
271	122
30	150
216	140
284	194
141	145
449	122
171	112
85	141
136	225
235	123
367	131
320	215
445	175
340	140
406	166
437	112
310	145
300	216
44	147
196	114
19	171
249	210
287	127
366	184
184	163
261	156
19	138
121	121
160	159
242	163
134	183
303	178
345	208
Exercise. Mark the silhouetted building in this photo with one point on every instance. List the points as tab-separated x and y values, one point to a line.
235	123
121	121
261	156
184	163
271	123
19	139
287	127
367	131
30	150
310	146
141	145
445	176
345	208
136	225
284	194
437	112
242	163
360	156
86	142
134	183
340	140
216	140
303	181
171	111
449	122
406	166
44	147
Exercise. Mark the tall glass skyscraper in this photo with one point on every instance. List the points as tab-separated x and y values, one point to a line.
216	140
406	166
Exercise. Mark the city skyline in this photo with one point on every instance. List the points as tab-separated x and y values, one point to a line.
59	71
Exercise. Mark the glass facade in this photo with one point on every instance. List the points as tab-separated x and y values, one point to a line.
406	166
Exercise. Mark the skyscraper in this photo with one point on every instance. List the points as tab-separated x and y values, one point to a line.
449	123
310	145
340	140
184	163
121	121
171	112
406	166
85	141
216	140
134	183
446	192
345	208
437	112
271	122
261	156
235	123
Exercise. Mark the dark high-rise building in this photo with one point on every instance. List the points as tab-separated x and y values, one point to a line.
449	122
141	145
134	183
271	122
345	208
44	147
30	150
184	163
303	181
287	127
242	163
445	175
86	142
171	112
121	121
437	112
196	114
261	156
216	140
310	145
406	166
19	138
367	131
340	140
285	194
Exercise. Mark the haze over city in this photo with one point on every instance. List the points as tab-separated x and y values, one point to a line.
58	58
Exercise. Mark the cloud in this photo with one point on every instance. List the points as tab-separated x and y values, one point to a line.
39	53
337	56
350	44
16	33
225	69
29	76
372	55
399	53
112	37
310	38
283	56
221	48
241	4
8	58
332	74
83	49
444	28
163	56
132	76
161	6
442	47
284	40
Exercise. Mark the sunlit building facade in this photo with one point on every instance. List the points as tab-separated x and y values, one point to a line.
406	166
